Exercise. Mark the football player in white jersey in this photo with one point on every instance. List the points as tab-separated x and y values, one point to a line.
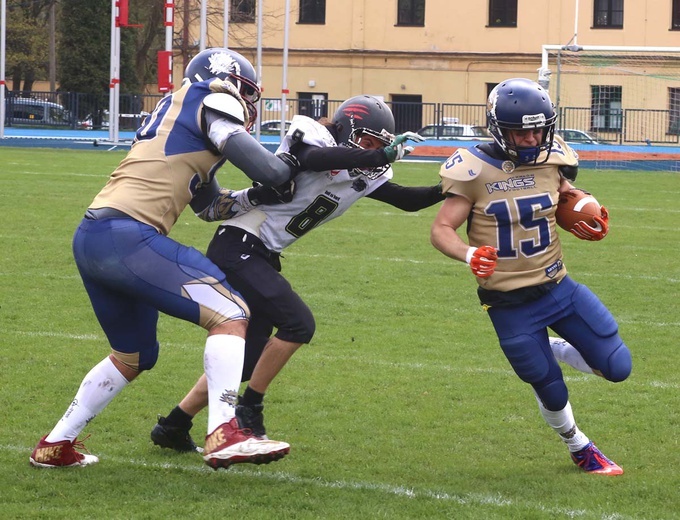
507	191
247	248
132	270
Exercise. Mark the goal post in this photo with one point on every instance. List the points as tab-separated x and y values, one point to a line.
623	96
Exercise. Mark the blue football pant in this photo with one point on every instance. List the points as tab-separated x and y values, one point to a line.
131	272
574	312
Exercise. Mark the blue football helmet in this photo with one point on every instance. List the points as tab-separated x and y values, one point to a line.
517	104
228	65
361	115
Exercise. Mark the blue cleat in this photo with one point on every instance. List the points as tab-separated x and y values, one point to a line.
592	460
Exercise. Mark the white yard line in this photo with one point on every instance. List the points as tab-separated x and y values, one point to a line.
407	491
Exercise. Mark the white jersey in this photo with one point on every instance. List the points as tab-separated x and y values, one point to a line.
319	196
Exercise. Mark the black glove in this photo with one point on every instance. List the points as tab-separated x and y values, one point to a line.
259	194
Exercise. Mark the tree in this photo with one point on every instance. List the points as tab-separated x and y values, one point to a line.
27	42
83	48
85	45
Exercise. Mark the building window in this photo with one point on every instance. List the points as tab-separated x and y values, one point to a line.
502	13
674	111
242	11
605	108
411	12
675	20
608	14
312	11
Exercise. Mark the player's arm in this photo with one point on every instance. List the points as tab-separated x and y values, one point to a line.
444	236
320	159
407	198
212	203
224	118
253	159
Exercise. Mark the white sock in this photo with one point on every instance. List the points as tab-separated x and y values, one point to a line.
99	387
566	353
223	363
562	421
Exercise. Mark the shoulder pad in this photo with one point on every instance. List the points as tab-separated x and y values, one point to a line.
305	130
562	154
461	166
226	105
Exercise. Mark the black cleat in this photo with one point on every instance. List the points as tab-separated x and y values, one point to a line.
173	437
251	418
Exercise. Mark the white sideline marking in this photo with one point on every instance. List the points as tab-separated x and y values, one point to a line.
466	499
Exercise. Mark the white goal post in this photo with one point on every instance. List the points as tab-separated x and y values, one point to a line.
626	96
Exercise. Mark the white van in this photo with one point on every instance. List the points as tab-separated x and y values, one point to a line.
29	111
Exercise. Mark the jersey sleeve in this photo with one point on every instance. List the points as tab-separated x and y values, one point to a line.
457	172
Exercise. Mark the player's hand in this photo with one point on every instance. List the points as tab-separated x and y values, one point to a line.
586	232
397	149
268	195
482	260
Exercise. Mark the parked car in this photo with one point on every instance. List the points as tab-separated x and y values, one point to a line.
29	111
272	127
571	135
126	121
454	131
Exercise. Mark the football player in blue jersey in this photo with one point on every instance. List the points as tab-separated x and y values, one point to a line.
132	270
247	247
507	191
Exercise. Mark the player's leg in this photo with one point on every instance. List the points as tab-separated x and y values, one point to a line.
524	340
252	270
592	331
130	327
173	430
565	353
275	300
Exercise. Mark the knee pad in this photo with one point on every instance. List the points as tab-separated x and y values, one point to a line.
299	330
137	361
526	357
619	364
554	395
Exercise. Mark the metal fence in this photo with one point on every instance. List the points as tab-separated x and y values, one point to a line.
89	111
74	110
623	126
407	116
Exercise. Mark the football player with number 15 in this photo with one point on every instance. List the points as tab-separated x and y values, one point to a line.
507	191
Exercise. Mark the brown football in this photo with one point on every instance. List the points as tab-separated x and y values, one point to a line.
576	205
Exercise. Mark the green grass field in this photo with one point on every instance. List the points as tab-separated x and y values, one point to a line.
402	407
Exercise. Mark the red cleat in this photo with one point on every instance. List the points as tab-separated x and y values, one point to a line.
229	444
60	454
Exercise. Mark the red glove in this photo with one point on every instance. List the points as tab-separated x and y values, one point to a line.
585	232
482	260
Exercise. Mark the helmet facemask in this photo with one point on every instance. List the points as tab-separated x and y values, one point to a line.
250	92
528	155
384	137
